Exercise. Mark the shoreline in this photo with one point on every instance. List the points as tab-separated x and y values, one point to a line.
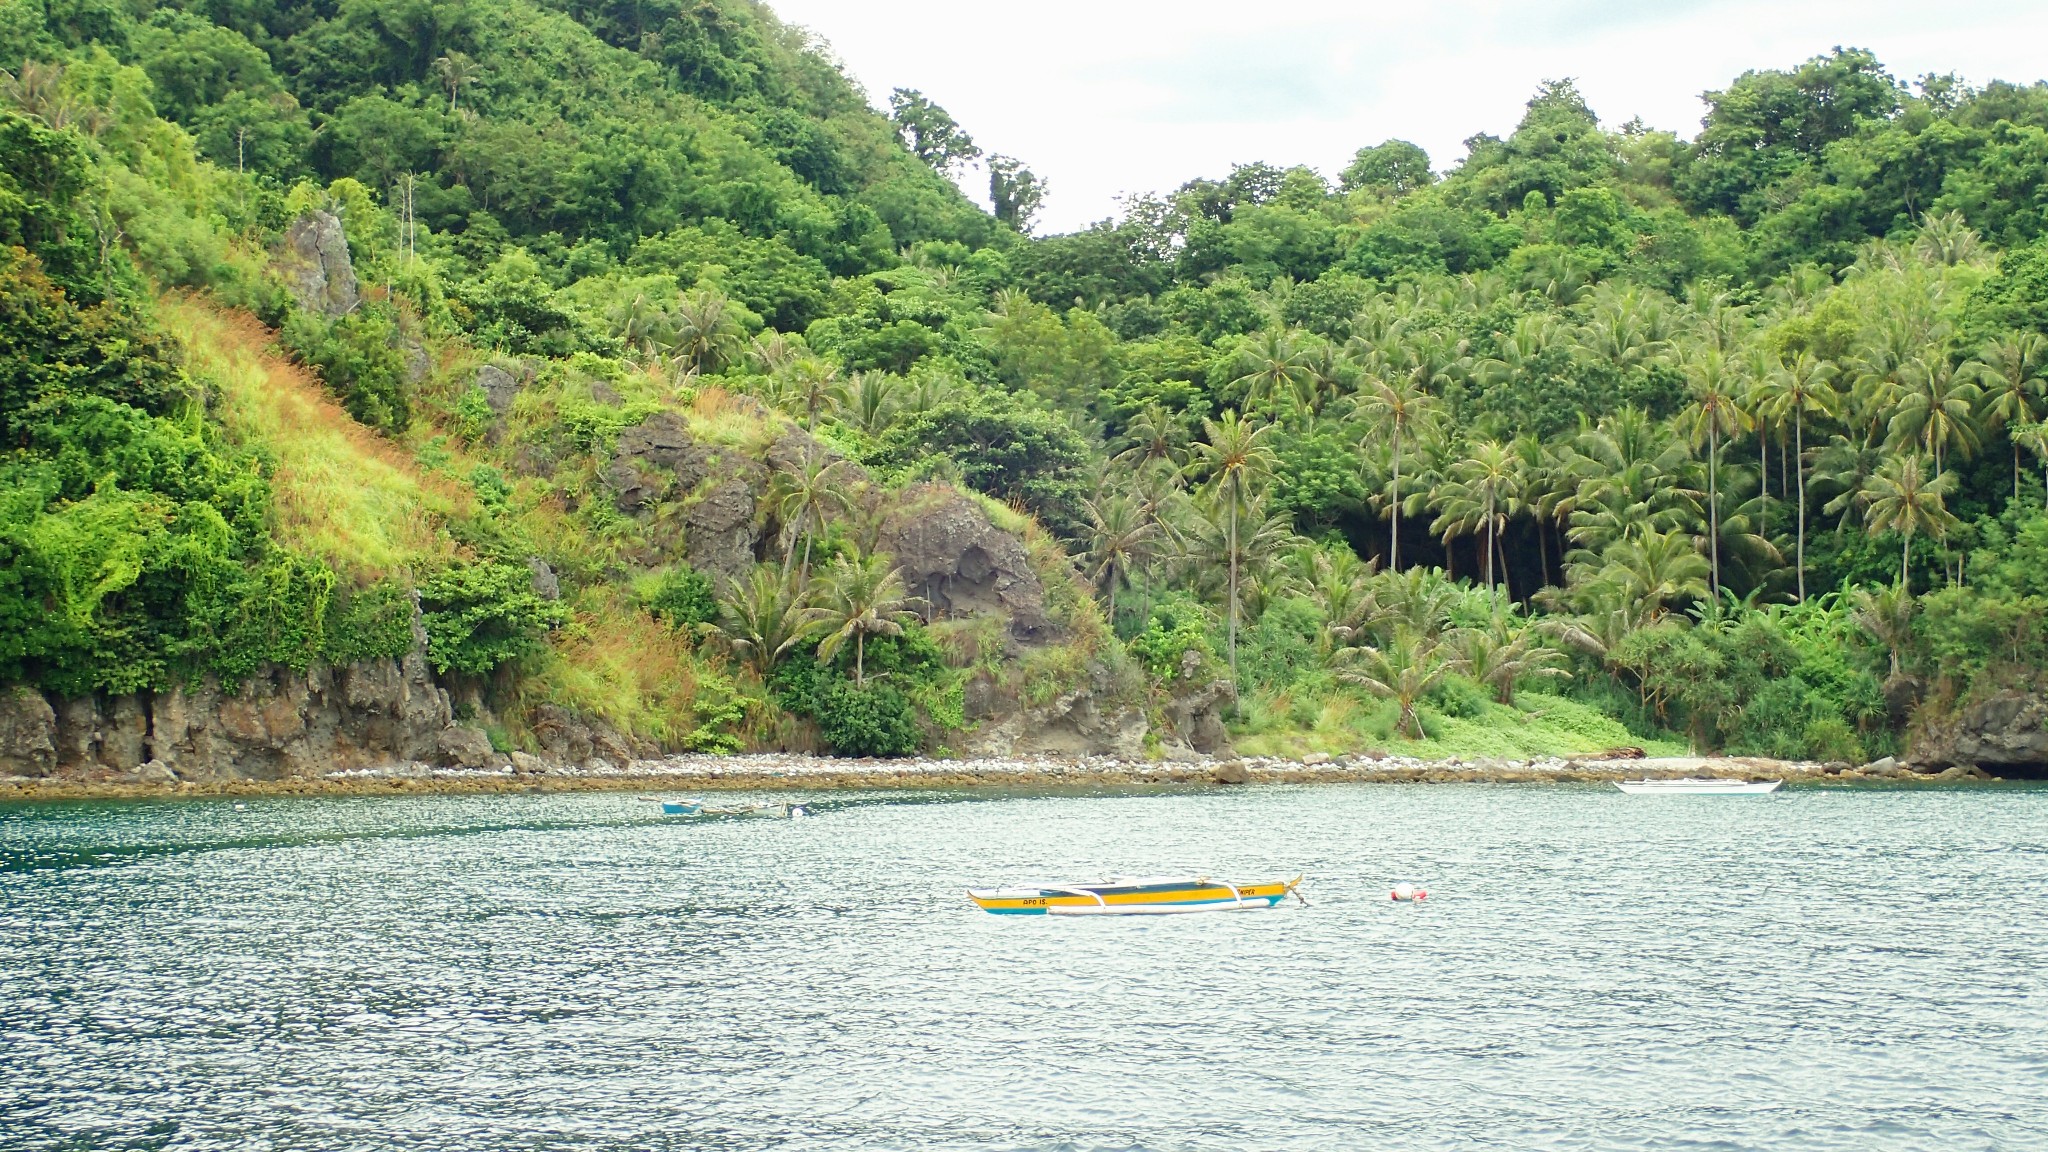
790	772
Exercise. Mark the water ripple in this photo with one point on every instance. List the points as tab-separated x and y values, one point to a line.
1821	970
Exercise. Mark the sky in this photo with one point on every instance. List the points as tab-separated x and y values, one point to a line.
1104	98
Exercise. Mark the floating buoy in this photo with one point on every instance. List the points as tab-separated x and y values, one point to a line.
1408	893
796	812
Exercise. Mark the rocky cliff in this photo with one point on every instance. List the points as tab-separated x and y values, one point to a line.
280	723
2007	734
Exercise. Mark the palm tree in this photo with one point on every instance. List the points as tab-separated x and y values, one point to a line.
1799	388
1274	365
1655	570
1154	434
1715	412
2034	438
862	596
871	403
1236	459
1399	405
1403	671
1484	492
706	335
455	69
1901	498
1887	615
817	385
1121	538
1500	657
805	495
1936	409
2013	372
766	616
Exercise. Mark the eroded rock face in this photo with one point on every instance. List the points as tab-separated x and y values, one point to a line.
316	267
28	733
963	565
280	723
1195	709
2010	730
500	388
720	488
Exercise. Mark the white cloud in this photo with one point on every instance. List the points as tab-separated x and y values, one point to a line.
1106	97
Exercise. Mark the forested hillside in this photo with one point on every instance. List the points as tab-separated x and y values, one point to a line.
658	343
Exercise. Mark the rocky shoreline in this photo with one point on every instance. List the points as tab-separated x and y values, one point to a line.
788	772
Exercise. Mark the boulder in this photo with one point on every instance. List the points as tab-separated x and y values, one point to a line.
720	488
460	746
28	733
315	265
961	564
1230	772
1195	711
546	584
500	389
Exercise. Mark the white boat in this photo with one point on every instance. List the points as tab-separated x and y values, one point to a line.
1698	787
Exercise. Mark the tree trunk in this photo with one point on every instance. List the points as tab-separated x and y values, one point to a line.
1394	541
1799	434
1906	563
1714	507
860	658
1233	592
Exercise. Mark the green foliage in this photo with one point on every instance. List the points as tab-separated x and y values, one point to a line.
866	720
1175	627
1002	447
480	615
368	624
359	359
684	598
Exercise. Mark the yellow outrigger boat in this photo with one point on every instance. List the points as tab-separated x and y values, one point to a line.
1147	896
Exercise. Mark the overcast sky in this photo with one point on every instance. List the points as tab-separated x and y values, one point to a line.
1107	97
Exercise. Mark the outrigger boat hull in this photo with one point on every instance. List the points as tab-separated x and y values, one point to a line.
1698	787
1153	896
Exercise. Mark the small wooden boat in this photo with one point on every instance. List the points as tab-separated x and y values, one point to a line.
1148	896
699	808
1698	787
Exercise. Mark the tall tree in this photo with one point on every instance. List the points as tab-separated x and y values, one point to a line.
1800	388
1014	192
1714	411
862	596
1902	498
1400	407
1236	460
931	134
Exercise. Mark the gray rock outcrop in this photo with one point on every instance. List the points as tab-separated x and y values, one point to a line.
315	264
279	723
2009	730
719	488
28	733
960	563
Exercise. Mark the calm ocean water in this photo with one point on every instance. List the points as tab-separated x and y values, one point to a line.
1818	970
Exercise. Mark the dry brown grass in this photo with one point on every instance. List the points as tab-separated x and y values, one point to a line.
343	493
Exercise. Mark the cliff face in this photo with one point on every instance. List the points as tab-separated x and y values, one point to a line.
280	723
2008	731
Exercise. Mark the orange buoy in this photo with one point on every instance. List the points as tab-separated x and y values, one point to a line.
1408	893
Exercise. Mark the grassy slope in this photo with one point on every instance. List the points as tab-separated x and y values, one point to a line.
343	494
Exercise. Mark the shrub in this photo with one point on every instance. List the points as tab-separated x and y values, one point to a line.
866	720
1178	626
684	598
358	357
481	615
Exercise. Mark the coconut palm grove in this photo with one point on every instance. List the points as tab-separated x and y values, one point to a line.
611	351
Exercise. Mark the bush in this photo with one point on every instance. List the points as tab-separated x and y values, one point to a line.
866	720
683	599
479	616
358	357
1178	626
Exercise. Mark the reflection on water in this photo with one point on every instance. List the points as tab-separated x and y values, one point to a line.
1825	969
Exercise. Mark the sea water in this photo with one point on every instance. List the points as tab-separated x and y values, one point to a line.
1822	969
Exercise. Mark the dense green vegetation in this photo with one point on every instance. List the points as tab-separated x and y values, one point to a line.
1603	434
